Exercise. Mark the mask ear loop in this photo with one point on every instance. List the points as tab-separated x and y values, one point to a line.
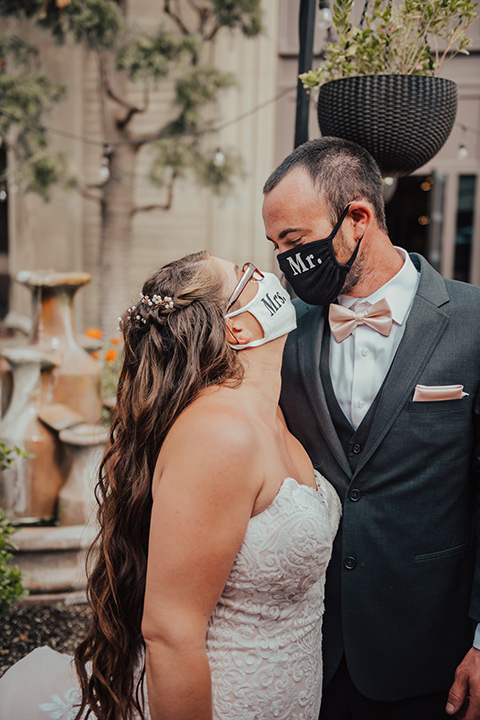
340	221
353	256
231	333
355	253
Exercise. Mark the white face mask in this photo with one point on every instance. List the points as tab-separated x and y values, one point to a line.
273	309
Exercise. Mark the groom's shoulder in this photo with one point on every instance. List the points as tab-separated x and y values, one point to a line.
462	291
452	295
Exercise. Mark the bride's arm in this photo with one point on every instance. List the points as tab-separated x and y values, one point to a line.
201	508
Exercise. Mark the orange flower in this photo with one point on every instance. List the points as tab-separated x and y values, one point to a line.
94	333
95	355
111	355
115	341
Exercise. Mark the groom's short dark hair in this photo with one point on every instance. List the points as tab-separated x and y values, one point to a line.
341	171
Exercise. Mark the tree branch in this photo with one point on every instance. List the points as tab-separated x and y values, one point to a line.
157	206
88	195
205	15
176	18
149	208
213	33
115	97
104	74
134	110
121	124
139	140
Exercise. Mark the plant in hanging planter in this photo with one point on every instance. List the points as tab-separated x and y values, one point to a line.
379	83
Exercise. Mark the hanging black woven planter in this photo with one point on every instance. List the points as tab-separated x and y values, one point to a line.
402	120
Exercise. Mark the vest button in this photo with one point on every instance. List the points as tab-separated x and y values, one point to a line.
355	495
357	448
350	563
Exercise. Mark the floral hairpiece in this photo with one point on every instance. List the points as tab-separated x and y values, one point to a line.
157	300
166	301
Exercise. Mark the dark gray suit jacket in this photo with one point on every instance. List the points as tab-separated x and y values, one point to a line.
403	584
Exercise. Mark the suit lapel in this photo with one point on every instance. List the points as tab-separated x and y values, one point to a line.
425	326
309	347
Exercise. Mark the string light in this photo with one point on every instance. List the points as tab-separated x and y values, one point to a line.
219	158
104	172
462	153
389	188
111	145
325	15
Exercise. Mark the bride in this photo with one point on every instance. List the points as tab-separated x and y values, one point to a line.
215	531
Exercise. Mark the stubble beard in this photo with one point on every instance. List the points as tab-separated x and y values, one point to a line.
356	272
354	275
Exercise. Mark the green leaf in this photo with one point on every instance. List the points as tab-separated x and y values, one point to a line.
11	588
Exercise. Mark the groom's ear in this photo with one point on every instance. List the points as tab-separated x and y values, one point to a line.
237	333
361	213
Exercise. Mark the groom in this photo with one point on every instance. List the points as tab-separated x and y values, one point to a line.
381	384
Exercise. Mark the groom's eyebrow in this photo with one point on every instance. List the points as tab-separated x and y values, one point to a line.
286	232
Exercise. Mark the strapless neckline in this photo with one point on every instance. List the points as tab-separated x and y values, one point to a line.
281	489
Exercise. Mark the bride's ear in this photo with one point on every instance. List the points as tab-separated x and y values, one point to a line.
237	333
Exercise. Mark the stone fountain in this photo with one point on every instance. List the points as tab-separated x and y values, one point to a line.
53	410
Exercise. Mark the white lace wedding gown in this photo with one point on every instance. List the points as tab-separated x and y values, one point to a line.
264	637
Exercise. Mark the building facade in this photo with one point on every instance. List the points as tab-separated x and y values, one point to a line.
435	211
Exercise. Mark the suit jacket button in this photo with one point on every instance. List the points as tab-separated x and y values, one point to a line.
355	495
357	448
350	563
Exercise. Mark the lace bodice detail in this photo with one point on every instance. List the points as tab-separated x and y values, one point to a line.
264	637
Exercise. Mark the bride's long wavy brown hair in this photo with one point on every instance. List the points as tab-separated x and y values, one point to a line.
171	354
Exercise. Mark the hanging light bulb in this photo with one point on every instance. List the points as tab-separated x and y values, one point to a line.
104	172
325	15
389	188
219	158
3	193
462	153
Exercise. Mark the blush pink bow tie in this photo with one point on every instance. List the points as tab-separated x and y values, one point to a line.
343	321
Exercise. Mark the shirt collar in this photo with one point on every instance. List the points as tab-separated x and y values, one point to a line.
399	291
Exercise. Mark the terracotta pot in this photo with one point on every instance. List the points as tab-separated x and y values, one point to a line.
76	501
29	488
76	382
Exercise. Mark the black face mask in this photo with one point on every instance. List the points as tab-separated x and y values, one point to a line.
313	271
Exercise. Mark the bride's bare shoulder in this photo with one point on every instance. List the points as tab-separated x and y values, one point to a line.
215	438
217	417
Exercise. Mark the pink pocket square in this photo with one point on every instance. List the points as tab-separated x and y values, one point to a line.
425	393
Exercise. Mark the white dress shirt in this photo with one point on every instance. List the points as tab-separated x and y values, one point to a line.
359	364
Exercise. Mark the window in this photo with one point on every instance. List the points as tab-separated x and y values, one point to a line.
464	227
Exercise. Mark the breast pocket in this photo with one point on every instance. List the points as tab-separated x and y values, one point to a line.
439	406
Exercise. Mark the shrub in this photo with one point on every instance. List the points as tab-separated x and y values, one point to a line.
11	587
